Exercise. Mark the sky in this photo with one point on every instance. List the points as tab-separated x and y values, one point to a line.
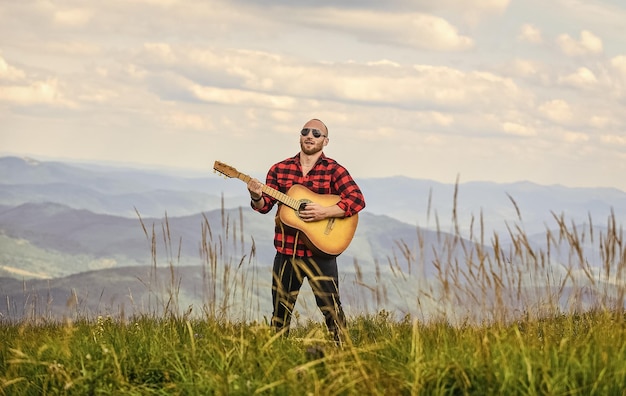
479	90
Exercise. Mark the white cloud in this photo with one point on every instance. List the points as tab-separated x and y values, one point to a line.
184	120
599	15
257	77
513	128
617	71
431	80
162	51
557	110
10	73
587	44
602	122
524	68
575	137
132	70
239	97
73	17
582	78
34	93
619	64
407	29
619	140
438	118
98	95
78	48
479	6
21	88
162	3
475	9
530	33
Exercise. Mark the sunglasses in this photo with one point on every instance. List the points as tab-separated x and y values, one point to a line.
316	132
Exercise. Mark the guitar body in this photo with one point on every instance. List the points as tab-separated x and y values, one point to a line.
328	237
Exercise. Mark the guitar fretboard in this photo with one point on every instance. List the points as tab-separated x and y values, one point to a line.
284	198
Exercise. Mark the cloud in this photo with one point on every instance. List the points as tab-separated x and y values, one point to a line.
237	97
602	122
18	88
475	7
427	6
574	137
584	119
614	140
406	29
162	51
557	110
582	78
162	3
72	47
619	64
516	129
72	17
530	33
524	68
10	73
588	44
187	121
417	77
34	93
235	77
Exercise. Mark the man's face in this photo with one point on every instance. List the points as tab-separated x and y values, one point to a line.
310	144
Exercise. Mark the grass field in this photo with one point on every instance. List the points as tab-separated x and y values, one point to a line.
530	333
562	355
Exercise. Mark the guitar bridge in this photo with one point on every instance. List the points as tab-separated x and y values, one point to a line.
329	226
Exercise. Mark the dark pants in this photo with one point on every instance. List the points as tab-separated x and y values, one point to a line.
288	275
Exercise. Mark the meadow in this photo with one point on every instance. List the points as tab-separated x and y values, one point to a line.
505	321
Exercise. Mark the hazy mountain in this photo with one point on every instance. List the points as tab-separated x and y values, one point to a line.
115	241
115	191
52	254
119	191
105	238
524	203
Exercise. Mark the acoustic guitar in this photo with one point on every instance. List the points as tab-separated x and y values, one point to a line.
328	237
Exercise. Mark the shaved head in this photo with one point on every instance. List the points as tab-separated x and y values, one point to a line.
318	124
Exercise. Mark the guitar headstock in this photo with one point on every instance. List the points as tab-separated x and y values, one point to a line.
225	170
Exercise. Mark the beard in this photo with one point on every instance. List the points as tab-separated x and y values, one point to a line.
311	149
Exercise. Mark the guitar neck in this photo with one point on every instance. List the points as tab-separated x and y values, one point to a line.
281	197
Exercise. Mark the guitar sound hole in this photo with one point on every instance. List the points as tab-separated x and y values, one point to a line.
301	207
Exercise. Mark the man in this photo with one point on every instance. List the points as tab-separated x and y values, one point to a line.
294	260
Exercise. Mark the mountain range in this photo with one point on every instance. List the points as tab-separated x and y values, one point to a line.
95	238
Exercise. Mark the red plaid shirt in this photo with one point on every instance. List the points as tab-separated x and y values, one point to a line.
326	177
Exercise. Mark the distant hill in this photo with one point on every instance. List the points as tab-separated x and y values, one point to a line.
497	205
128	291
98	234
115	191
51	251
120	191
115	241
